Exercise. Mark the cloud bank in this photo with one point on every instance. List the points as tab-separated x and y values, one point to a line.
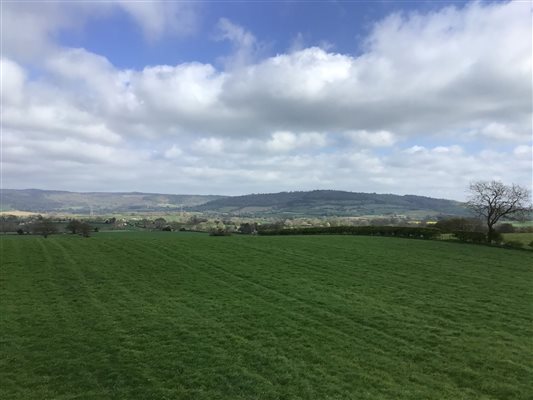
433	101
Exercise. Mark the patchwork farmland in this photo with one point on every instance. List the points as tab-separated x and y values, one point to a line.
185	316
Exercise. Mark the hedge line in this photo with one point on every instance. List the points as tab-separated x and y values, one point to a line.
397	231
473	237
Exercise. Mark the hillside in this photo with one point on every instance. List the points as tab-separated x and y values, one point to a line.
98	202
332	202
313	203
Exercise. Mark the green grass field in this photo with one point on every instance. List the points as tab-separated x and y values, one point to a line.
170	316
525	238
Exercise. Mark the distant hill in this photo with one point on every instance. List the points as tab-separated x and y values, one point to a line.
35	200
313	203
332	202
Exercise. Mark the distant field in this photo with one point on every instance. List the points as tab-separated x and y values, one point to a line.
172	316
525	238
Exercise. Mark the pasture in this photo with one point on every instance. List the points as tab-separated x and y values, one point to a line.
524	238
172	316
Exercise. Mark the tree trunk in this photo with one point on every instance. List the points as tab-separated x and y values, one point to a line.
490	234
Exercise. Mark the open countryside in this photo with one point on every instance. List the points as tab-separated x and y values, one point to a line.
266	200
174	315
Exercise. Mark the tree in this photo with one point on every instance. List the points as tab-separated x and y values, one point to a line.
493	200
9	223
45	227
74	226
160	223
85	229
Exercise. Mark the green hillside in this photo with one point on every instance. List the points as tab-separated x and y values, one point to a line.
172	316
332	202
314	203
97	202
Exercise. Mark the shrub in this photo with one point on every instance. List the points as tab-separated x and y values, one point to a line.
450	225
505	228
497	237
219	232
20	231
251	228
530	244
472	237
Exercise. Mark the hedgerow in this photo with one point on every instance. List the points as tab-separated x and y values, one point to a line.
397	231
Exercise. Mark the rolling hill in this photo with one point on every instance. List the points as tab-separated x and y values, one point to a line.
331	202
98	202
311	203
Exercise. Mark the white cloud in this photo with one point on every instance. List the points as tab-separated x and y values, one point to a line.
443	80
209	146
235	33
159	18
523	151
284	141
246	48
502	132
29	28
13	79
365	138
173	152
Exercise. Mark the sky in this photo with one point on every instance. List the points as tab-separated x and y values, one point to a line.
232	97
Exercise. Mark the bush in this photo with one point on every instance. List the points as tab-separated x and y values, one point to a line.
471	237
20	231
219	232
251	228
451	225
530	244
497	237
505	228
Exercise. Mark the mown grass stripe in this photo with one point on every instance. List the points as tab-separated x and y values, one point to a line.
169	316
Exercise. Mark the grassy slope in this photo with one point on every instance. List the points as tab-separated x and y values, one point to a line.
144	316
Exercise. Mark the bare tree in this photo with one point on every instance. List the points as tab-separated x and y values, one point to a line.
494	200
74	226
85	229
44	227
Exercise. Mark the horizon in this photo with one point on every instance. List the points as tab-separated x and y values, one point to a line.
234	195
408	98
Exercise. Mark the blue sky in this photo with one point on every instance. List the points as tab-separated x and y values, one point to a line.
238	97
279	24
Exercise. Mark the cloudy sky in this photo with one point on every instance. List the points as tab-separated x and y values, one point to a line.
235	97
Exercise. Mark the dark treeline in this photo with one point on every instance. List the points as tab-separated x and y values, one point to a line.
397	231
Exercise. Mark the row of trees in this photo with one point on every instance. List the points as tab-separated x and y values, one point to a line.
44	226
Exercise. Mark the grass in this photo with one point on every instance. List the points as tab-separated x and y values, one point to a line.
525	238
171	316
